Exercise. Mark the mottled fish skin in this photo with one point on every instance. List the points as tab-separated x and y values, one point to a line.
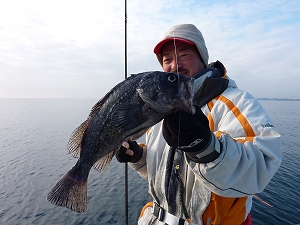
126	112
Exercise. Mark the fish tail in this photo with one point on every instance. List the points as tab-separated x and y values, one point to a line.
71	193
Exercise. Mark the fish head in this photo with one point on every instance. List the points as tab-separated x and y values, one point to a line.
166	92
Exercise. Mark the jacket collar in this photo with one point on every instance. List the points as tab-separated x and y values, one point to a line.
209	83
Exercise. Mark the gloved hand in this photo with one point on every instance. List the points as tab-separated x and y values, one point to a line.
191	134
123	156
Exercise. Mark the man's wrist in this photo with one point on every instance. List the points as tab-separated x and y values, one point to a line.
198	144
206	154
137	155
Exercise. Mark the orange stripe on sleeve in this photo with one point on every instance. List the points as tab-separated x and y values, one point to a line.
211	122
218	133
241	118
210	105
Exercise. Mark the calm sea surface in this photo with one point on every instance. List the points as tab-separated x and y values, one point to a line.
33	156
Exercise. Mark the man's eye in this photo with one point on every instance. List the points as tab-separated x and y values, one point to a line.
184	55
167	60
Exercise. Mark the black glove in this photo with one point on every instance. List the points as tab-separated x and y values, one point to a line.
137	153
189	133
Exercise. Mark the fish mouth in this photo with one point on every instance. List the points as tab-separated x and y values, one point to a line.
186	95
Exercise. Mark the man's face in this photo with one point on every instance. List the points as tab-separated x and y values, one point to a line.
186	60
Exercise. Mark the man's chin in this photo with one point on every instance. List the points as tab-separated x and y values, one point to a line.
185	73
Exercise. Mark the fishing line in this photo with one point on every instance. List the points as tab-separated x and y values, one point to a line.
174	41
271	206
176	61
259	199
180	181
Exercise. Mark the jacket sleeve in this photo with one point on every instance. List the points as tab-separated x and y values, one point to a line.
250	146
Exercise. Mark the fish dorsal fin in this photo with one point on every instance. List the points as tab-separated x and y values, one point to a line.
99	104
128	117
74	145
103	163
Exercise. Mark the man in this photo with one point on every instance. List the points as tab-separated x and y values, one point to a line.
204	168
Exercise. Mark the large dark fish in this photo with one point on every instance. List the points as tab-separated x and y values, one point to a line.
126	112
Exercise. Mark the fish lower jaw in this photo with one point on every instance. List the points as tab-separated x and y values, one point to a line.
187	105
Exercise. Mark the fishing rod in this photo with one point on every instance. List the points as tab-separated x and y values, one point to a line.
126	164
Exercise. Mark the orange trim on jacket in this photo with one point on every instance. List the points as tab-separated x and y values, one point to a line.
237	113
149	204
225	211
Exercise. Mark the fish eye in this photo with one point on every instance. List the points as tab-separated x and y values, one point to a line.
172	78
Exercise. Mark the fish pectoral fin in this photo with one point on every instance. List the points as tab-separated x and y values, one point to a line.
127	117
103	163
74	144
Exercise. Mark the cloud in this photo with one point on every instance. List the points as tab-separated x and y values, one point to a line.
75	49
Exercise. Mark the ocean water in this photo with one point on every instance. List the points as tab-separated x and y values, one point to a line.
33	156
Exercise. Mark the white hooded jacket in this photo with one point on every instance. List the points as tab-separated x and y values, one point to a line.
219	192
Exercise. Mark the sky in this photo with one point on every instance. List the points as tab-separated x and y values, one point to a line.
76	48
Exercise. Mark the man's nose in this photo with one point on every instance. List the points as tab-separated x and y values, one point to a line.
175	65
